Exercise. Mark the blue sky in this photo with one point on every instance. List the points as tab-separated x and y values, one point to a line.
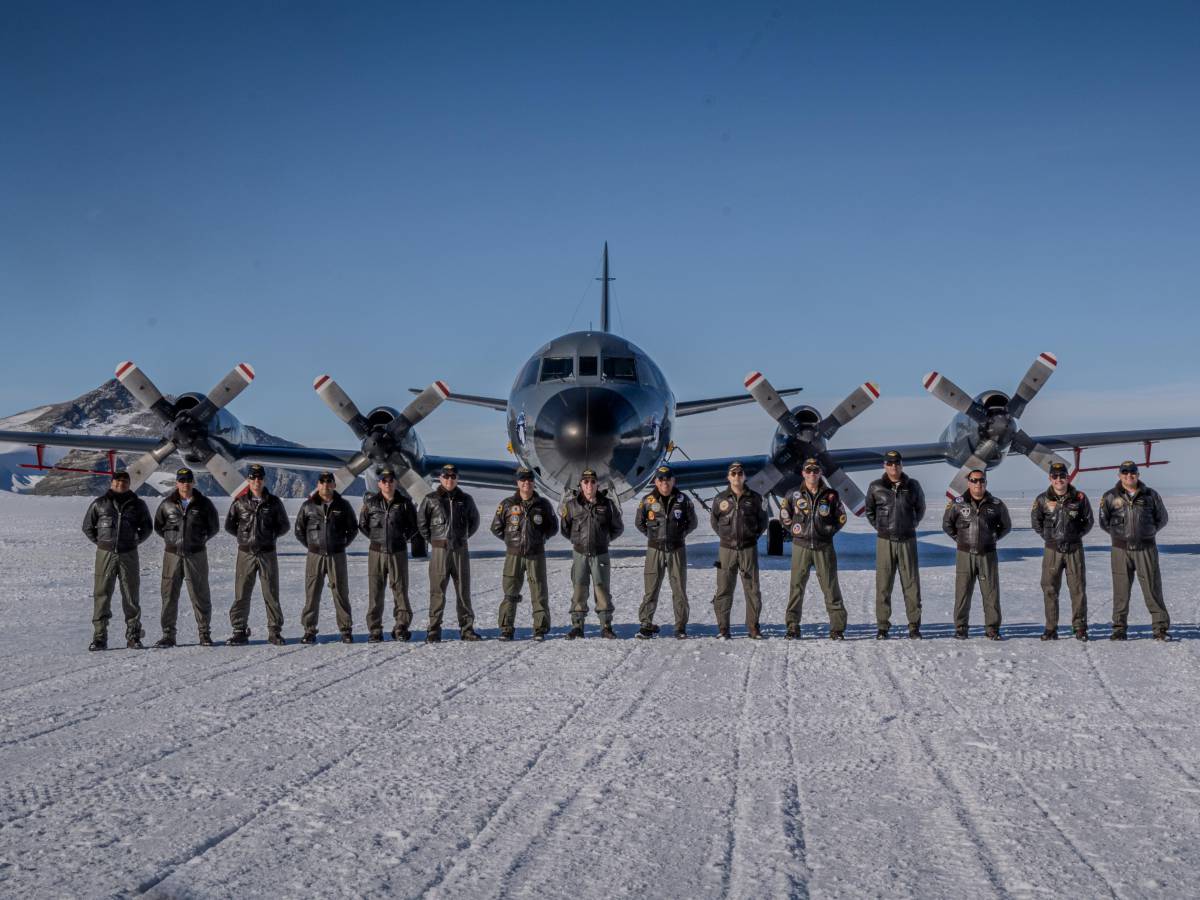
394	193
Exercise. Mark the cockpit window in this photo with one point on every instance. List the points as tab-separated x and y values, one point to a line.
620	368
556	367
529	374
588	366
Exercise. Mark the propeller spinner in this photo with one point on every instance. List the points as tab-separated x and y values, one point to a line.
381	440
186	428
997	421
808	439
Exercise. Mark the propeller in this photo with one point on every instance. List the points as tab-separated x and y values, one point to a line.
186	426
806	440
997	423
381	440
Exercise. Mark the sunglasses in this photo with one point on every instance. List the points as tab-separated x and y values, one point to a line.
812	471
1058	477
254	477
587	480
977	480
1129	473
386	479
324	481
892	463
449	477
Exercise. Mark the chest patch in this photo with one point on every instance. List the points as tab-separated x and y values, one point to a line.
724	506
678	513
651	516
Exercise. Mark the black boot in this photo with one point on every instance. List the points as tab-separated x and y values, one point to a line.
793	633
274	637
376	636
607	633
206	639
310	636
914	632
539	636
754	634
434	636
960	633
506	634
837	636
723	633
99	642
881	634
681	634
1160	634
1050	634
654	628
164	642
575	632
401	633
645	633
993	634
469	635
239	638
133	640
348	637
1081	634
1118	634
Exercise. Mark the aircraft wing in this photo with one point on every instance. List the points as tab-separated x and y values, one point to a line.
692	407
495	403
492	473
81	441
700	473
1102	438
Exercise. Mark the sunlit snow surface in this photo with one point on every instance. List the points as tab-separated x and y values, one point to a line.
597	768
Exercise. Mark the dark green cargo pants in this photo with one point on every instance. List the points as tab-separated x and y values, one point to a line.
446	563
250	567
113	568
176	568
590	570
1054	564
387	569
824	560
673	564
515	570
318	568
892	557
1145	563
968	569
732	563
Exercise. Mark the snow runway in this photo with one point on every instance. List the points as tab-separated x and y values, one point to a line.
596	768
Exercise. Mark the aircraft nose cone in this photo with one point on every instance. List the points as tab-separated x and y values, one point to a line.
583	427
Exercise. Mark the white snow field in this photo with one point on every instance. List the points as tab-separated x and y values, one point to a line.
597	768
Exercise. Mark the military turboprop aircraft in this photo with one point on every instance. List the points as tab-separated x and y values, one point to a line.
593	399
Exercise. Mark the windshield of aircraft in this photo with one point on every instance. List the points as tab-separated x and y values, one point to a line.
620	368
555	368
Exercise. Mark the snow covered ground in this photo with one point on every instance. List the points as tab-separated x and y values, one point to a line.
597	768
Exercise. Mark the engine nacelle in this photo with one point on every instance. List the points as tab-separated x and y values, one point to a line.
964	434
808	417
189	436
377	421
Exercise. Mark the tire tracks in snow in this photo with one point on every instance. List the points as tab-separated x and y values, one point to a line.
284	791
1043	808
509	806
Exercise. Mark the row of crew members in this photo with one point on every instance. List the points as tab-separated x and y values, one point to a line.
812	514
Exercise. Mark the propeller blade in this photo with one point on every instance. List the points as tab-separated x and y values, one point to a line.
143	390
952	395
226	474
762	391
851	496
222	395
765	479
147	464
343	407
1035	379
355	466
846	411
1041	455
422	405
977	460
416	486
